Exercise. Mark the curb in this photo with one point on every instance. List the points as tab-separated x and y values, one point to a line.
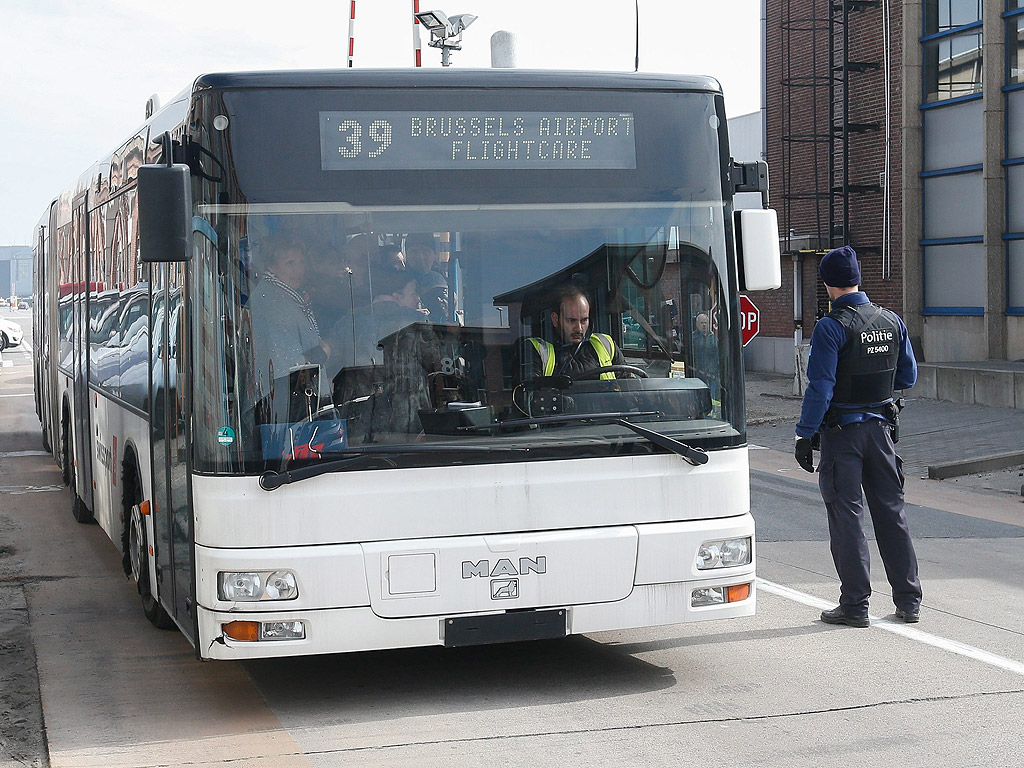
970	466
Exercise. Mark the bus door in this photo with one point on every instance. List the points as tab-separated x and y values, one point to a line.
82	427
44	328
172	520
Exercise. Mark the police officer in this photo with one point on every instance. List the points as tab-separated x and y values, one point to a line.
860	353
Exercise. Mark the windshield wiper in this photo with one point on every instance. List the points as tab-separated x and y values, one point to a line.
565	419
271	480
694	456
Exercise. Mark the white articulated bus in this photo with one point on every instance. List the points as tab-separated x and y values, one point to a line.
285	343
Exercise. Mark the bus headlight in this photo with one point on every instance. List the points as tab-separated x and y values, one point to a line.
282	630
705	596
724	553
252	586
280	585
257	631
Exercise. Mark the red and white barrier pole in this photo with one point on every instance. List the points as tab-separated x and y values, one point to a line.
417	46
352	32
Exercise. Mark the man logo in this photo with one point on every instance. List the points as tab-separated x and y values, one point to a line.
504	589
504	567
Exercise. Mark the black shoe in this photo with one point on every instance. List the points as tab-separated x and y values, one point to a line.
908	617
841	615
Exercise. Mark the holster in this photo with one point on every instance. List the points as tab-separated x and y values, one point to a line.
892	416
889	411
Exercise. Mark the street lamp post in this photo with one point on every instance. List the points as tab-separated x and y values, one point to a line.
445	32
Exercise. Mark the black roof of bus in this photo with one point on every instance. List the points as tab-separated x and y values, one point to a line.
456	78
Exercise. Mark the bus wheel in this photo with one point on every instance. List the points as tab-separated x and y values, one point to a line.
138	552
81	512
65	449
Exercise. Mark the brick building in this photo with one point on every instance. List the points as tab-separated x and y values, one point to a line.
898	128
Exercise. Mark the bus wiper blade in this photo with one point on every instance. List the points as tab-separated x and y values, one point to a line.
694	456
564	419
271	480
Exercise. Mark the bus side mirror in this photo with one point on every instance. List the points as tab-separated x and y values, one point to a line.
757	245
165	213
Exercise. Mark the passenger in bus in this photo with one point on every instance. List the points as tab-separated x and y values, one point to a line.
396	303
339	279
390	256
357	333
406	349
286	332
431	282
577	350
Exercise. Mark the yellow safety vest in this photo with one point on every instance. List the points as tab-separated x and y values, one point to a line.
601	342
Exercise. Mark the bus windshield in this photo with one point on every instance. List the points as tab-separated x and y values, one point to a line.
410	298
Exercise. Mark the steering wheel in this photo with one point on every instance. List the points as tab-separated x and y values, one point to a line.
594	373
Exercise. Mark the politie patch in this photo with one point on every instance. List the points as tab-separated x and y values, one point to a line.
877	342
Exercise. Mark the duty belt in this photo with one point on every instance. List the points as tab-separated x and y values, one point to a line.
890	411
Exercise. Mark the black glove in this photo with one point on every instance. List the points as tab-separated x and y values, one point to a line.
804	453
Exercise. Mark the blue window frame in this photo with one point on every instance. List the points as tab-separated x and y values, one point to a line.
953	64
1015	47
944	15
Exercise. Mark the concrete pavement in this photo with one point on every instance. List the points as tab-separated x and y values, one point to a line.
349	706
974	447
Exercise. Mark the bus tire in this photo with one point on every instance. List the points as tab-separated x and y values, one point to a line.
136	541
81	513
65	452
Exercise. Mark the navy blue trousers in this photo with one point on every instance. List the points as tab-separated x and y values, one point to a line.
862	456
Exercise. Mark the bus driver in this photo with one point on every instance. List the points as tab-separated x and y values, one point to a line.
577	351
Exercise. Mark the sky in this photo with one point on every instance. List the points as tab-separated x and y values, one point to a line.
75	76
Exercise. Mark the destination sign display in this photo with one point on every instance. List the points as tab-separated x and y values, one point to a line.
362	141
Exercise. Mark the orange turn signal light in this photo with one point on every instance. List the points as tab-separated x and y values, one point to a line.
737	593
246	631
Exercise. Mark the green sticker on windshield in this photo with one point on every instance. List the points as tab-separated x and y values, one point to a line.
225	436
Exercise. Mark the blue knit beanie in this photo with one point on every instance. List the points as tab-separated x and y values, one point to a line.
839	268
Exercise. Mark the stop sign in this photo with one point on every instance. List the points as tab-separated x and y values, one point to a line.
750	319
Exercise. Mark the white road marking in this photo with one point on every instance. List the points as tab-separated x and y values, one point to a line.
18	490
953	646
22	394
9	454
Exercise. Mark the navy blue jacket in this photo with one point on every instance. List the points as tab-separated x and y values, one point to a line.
826	341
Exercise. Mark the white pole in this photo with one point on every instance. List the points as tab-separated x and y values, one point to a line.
764	80
417	45
351	32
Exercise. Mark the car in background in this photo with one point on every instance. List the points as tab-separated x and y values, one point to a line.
10	334
22	305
